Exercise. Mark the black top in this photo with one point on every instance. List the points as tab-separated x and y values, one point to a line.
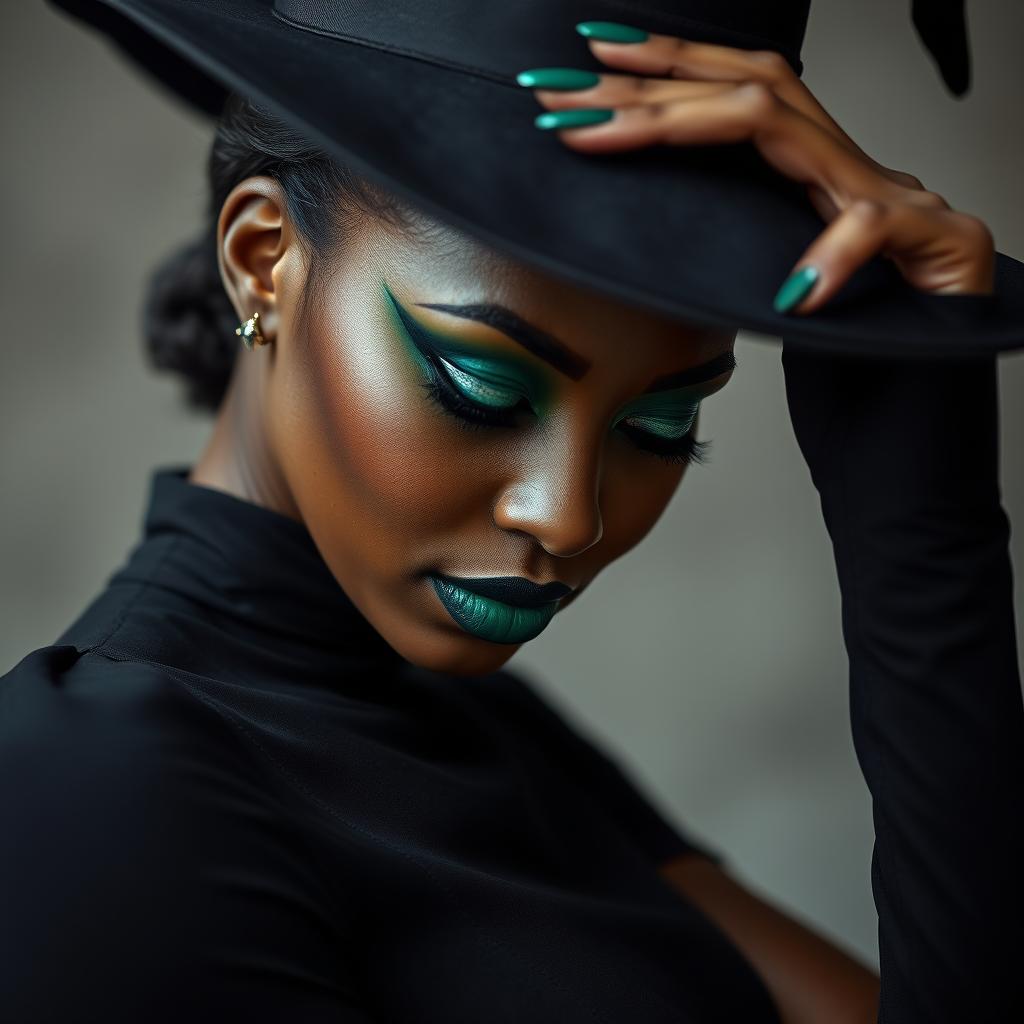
225	797
905	458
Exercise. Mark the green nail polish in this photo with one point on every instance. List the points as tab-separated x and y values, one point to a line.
611	32
572	118
795	287
558	78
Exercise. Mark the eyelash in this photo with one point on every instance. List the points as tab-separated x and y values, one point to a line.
473	417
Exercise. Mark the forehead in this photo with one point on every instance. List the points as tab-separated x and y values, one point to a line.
440	264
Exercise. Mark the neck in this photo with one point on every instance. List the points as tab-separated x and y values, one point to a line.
239	456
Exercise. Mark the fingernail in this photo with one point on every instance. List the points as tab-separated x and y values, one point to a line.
795	287
611	32
572	118
558	78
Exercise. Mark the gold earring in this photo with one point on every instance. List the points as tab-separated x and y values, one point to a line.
250	332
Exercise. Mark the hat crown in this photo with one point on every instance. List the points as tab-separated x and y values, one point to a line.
500	40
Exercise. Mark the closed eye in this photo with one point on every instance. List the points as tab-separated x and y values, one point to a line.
441	387
446	385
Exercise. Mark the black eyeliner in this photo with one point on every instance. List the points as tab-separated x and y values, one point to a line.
445	395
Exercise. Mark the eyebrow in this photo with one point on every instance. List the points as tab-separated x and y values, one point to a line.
547	347
694	374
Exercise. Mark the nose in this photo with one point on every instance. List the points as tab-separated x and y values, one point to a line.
555	497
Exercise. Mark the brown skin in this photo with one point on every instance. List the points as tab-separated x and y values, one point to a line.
326	424
328	427
812	980
329	423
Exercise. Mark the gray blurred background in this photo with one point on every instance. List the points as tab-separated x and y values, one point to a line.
721	682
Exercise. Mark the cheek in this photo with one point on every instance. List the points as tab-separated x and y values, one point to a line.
637	489
384	480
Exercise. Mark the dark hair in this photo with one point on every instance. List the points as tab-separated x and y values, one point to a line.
188	320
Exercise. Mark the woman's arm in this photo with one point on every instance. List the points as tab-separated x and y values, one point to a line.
904	455
905	458
812	981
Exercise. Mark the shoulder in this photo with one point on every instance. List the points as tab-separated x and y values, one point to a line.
82	713
132	749
139	842
117	752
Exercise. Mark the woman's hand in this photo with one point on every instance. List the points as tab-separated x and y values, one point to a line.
904	455
679	93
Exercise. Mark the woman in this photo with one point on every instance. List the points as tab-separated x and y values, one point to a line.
288	801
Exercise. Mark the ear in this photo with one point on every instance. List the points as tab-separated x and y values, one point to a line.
253	240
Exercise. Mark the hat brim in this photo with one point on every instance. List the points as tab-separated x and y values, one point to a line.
703	234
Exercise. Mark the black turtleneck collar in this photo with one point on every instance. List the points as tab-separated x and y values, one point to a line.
204	551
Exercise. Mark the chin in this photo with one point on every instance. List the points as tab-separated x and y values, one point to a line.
457	654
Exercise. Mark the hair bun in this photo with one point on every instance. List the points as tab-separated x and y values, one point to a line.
189	322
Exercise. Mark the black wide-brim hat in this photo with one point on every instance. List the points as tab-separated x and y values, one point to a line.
421	97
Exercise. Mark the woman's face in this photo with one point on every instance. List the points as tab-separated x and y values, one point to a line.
444	416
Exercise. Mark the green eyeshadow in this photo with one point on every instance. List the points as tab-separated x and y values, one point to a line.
497	381
668	414
476	378
501	382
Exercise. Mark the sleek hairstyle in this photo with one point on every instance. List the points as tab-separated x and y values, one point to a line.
188	320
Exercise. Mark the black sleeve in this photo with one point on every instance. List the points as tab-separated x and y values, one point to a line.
571	750
904	455
144	873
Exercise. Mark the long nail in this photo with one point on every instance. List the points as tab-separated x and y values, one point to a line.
572	118
611	32
795	287
558	78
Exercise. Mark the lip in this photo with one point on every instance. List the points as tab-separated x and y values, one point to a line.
491	618
514	590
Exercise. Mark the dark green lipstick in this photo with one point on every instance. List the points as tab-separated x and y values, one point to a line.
503	609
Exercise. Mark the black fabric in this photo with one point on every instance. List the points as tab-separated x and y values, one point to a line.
942	27
224	797
420	97
905	457
431	32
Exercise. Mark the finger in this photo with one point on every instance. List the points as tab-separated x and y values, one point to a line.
942	249
626	90
789	141
674	57
717	119
726	116
631	127
619	91
793	144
